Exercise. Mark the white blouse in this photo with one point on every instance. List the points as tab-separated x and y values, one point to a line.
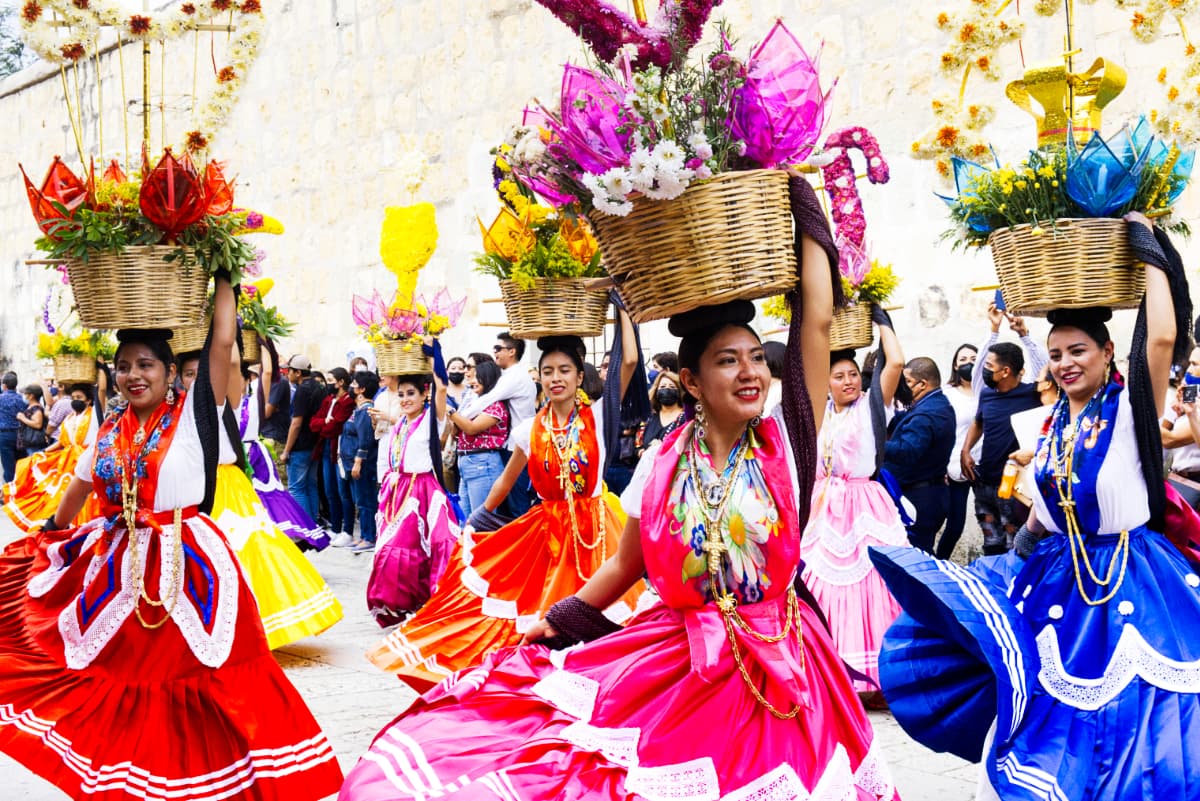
415	457
964	406
181	477
252	422
523	434
1121	487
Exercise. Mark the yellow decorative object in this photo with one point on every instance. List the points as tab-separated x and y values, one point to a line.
508	236
1058	92
257	223
261	287
577	236
406	244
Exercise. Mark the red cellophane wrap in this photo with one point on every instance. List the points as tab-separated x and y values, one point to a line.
172	195
218	190
61	186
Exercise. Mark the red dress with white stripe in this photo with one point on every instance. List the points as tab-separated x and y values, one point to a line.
111	696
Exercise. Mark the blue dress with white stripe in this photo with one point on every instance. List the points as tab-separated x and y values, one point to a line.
1085	657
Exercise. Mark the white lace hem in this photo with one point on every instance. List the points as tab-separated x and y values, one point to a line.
826	551
686	781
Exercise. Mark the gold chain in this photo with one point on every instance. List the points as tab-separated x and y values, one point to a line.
563	451
1062	458
715	547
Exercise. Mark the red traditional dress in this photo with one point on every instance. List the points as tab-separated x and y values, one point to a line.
42	478
136	667
500	582
688	702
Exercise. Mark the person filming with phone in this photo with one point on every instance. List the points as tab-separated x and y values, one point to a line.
1181	433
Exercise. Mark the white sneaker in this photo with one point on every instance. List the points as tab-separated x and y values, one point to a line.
341	540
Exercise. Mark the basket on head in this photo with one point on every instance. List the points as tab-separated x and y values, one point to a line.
851	327
554	306
189	338
1077	264
729	238
251	352
136	288
391	358
74	368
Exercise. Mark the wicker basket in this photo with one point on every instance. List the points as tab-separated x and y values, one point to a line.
137	289
1076	264
189	338
851	327
74	368
251	352
554	306
392	359
726	239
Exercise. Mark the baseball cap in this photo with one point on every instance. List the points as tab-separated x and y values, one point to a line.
299	362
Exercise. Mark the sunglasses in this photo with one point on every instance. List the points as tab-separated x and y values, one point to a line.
498	348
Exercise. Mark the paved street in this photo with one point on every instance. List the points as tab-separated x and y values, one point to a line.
352	700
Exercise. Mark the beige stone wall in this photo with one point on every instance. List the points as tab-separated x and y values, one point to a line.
344	88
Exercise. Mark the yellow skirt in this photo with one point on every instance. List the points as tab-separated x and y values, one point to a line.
38	486
293	600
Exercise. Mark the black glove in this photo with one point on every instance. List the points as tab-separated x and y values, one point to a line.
576	621
483	520
879	316
1145	246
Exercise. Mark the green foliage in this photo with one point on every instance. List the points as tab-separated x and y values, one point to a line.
212	245
263	319
87	232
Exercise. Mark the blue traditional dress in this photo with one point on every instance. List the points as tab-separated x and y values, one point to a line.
1084	659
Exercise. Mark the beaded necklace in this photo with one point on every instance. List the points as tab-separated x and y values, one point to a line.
566	440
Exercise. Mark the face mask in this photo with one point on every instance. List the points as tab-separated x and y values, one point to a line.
989	378
667	396
1188	378
651	375
456	378
78	406
964	371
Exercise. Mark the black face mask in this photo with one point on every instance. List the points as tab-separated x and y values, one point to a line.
78	406
456	378
989	378
667	396
964	371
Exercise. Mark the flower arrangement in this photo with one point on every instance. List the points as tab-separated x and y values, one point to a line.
1131	171
44	21
528	240
171	203
97	344
255	315
875	285
649	123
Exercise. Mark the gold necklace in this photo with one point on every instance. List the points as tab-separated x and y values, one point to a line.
561	440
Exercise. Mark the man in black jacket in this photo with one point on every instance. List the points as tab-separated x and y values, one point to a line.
919	448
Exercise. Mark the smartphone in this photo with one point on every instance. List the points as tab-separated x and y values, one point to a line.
1189	392
999	301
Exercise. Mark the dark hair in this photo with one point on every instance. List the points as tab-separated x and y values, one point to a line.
86	389
183	358
341	376
926	369
510	341
670	376
317	374
698	327
486	374
955	381
418	380
592	386
157	340
10	380
1089	321
668	360
775	355
1008	355
569	345
362	359
848	355
368	382
454	359
36	391
481	358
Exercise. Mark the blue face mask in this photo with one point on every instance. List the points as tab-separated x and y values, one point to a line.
651	374
1190	379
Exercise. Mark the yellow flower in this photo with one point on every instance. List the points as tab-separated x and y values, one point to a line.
1021	184
407	242
1046	171
1037	230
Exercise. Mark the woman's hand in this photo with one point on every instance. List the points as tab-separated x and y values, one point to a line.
1138	217
538	631
356	471
1022	458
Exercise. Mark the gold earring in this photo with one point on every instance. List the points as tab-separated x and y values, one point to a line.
701	420
170	396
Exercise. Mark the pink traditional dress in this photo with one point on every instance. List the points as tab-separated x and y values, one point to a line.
850	513
688	702
417	527
134	664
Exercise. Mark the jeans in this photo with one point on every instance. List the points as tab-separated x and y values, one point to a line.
618	477
302	481
341	508
365	490
931	503
956	519
999	518
8	454
477	472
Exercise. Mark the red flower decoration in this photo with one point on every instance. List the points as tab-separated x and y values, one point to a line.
61	186
31	11
139	24
73	51
218	191
251	7
188	8
226	75
221	5
82	5
114	173
172	195
196	141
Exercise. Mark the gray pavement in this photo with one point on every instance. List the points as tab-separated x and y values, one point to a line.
352	700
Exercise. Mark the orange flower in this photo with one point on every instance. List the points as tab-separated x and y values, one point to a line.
73	51
983	62
943	19
943	168
188	8
139	24
979	150
1137	21
82	5
1190	50
966	33
948	60
947	136
221	5
31	11
251	7
226	75
973	110
1172	93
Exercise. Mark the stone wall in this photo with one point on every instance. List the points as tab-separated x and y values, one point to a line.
345	88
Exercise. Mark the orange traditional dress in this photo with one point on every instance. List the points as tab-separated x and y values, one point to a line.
501	582
41	479
137	667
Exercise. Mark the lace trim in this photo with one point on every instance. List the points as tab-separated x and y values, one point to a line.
686	781
48	579
474	582
81	647
616	745
819	562
847	544
781	784
874	775
559	658
468	545
570	693
211	649
1132	658
618	613
498	607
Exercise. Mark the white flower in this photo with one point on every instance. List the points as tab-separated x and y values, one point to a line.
704	151
642	168
617	182
615	208
670	184
739	147
821	158
703	172
659	113
668	155
697	139
592	183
